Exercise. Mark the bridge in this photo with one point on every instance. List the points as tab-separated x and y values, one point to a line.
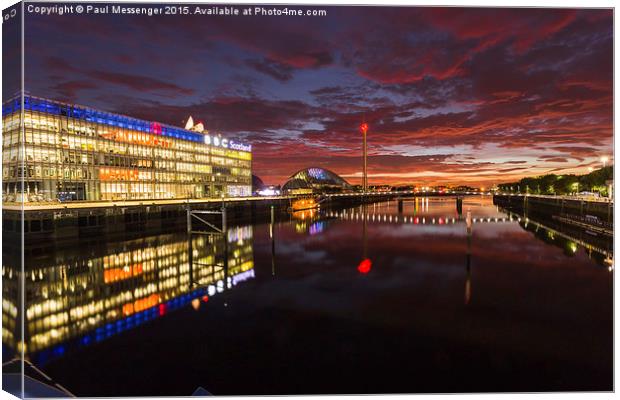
416	220
76	205
370	196
406	193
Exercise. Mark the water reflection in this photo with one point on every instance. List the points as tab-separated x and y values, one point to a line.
468	222
73	300
598	247
366	264
272	237
446	211
470	291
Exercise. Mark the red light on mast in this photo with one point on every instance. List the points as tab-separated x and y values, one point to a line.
364	127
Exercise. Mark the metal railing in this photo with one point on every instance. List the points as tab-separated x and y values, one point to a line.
211	229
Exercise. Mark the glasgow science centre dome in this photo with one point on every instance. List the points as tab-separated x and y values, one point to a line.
315	180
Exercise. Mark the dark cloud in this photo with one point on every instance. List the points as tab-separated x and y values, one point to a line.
280	72
231	115
69	90
138	82
133	81
450	94
554	159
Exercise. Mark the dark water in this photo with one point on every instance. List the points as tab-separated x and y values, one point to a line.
512	307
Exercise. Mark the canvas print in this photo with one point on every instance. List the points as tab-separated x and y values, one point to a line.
253	199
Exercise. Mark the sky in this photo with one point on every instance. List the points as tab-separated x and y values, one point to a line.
452	95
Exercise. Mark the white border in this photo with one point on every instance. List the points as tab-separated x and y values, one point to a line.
458	3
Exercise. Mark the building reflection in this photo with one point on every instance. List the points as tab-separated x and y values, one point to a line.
310	221
76	300
11	305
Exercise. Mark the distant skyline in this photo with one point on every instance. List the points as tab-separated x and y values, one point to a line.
452	95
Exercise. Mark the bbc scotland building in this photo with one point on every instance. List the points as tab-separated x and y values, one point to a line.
73	153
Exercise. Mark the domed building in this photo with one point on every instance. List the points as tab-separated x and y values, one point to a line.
315	180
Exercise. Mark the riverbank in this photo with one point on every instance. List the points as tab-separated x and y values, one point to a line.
590	212
80	220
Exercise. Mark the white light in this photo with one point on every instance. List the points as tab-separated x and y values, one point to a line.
268	192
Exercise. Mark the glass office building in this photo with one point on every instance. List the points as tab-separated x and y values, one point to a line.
73	153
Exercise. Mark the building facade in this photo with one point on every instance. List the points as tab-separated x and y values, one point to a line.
72	153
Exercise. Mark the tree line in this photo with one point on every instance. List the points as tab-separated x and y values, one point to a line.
569	184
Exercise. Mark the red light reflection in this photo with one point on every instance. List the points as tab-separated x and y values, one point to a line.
365	266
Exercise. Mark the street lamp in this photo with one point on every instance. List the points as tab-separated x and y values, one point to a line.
364	129
604	160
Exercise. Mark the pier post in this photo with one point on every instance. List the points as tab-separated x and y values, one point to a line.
273	242
400	206
364	231
459	205
224	227
190	253
272	214
225	238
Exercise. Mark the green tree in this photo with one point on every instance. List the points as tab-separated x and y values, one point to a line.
566	184
563	184
529	185
546	183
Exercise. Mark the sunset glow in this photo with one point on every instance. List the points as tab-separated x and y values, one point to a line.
454	95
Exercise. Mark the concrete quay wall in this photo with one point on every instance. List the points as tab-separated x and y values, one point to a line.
548	206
